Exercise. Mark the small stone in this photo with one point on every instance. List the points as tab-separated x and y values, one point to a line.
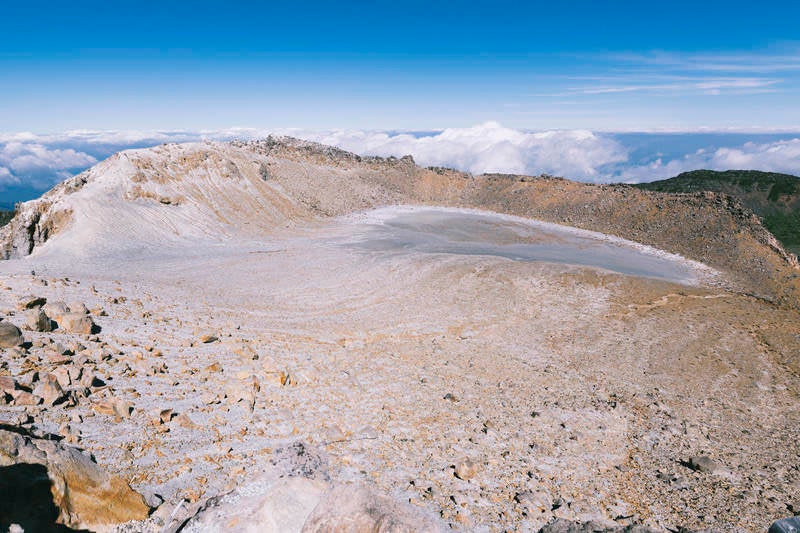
63	377
7	384
466	469
161	416
214	367
119	409
208	338
57	358
49	390
450	397
10	335
25	398
534	502
184	421
702	463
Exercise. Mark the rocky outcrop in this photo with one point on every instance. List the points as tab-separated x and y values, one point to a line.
84	495
36	221
302	505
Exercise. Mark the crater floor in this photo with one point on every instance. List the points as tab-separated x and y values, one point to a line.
403	344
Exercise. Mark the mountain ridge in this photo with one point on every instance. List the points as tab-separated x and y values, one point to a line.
175	194
772	196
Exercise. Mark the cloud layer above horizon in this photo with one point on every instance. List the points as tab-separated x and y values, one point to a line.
31	162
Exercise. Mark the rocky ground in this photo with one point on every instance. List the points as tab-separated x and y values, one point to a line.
451	392
489	393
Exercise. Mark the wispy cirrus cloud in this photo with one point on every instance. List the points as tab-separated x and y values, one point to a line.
670	74
704	85
733	62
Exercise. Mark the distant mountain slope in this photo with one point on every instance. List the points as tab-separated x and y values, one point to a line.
774	197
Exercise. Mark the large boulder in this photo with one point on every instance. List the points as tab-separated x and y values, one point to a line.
55	310
80	323
358	509
84	495
10	335
303	505
37	320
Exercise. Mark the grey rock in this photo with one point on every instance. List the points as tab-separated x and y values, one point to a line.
10	335
786	525
702	463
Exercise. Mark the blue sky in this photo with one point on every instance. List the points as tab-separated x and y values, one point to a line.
525	87
608	66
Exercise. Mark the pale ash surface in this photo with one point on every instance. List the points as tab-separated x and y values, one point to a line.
571	392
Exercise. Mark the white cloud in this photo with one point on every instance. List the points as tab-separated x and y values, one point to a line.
6	177
699	85
779	156
37	165
490	147
39	161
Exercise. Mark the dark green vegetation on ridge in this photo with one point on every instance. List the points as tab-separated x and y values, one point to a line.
772	196
5	216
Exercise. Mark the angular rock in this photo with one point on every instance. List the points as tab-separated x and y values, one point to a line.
55	310
297	504
282	506
37	320
184	421
62	375
30	301
78	307
7	384
79	323
49	390
702	463
85	495
534	502
22	397
10	335
208	338
119	409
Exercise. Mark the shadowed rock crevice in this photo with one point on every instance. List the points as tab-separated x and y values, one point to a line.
26	499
